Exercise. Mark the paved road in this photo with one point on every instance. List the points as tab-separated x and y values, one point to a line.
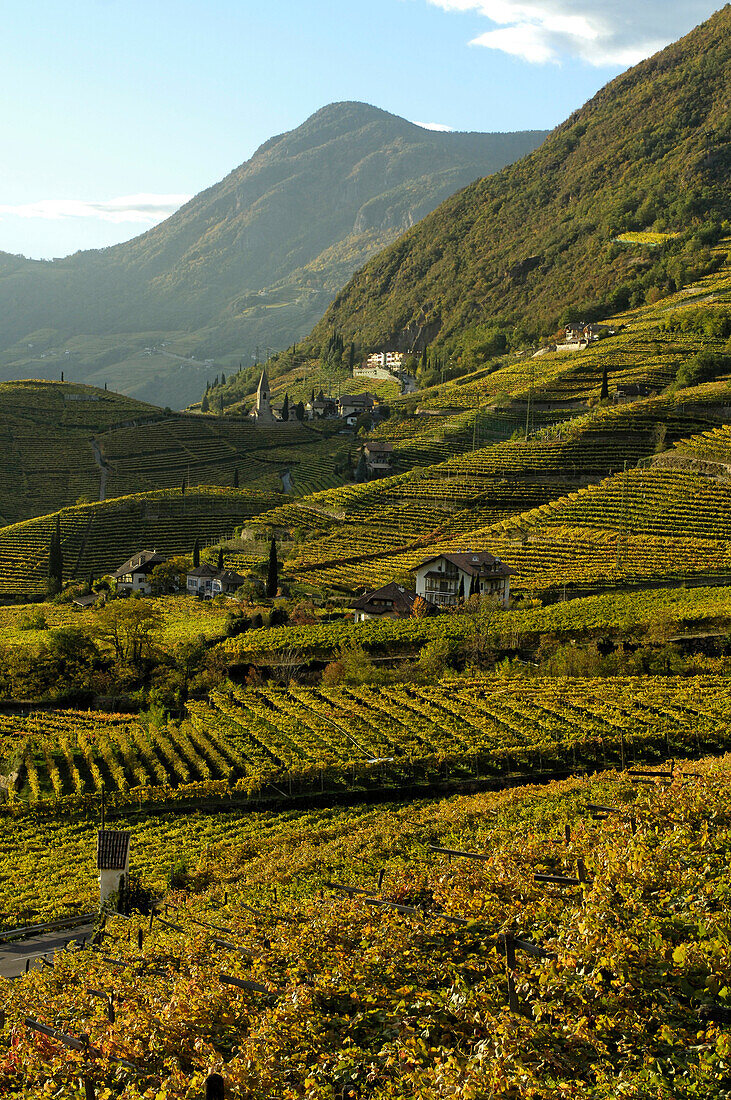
14	955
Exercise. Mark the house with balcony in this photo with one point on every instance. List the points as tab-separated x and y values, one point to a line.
448	579
378	458
134	575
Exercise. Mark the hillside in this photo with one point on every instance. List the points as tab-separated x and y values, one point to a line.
65	444
253	260
546	237
97	538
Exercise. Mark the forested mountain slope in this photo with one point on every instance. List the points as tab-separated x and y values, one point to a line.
540	238
252	260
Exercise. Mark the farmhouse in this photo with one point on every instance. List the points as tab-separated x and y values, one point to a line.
378	457
134	575
392	601
206	581
353	405
449	578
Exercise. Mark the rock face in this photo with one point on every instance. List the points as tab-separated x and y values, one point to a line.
255	259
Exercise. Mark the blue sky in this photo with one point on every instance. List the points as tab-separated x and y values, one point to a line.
114	112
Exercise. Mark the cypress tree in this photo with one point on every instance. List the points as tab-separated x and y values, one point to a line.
182	488
196	554
62	376
299	411
219	563
223	379
474	586
351	356
204	403
272	572
361	470
285	407
460	593
604	395
55	558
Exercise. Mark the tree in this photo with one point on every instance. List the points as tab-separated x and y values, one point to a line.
196	553
474	586
361	470
604	395
219	563
236	478
460	593
182	487
299	410
55	559
223	379
272	571
205	406
351	356
169	576
129	627
285	407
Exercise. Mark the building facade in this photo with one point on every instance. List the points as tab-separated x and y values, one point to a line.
134	575
448	579
263	409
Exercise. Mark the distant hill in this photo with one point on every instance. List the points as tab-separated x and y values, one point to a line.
253	260
541	238
63	444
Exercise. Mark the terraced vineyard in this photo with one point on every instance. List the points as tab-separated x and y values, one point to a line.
45	436
97	538
257	739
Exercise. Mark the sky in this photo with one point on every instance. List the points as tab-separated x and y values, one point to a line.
114	112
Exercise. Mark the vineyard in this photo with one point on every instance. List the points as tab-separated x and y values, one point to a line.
276	741
535	942
98	538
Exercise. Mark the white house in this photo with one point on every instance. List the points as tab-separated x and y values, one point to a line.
112	861
447	579
207	581
134	575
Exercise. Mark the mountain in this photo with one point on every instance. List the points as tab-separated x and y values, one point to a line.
254	259
540	238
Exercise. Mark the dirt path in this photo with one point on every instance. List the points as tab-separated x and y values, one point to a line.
103	468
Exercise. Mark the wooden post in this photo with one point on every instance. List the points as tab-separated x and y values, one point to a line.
89	1090
139	938
581	872
111	1014
510	967
215	1089
381	873
567	833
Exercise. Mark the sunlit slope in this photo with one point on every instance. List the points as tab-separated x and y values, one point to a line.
650	150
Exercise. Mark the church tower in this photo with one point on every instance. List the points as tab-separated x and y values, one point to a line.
263	410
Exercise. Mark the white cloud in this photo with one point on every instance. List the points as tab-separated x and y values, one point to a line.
600	32
439	126
142	209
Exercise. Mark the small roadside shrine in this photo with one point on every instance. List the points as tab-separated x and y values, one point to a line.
112	861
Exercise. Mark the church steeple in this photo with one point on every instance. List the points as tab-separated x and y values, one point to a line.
263	395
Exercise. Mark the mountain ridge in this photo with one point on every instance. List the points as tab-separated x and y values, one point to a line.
650	148
253	259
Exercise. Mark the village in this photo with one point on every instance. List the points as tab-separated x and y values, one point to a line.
442	582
